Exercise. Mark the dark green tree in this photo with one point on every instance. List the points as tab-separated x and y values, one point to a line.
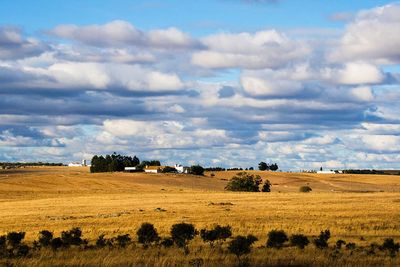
244	181
112	163
262	166
273	167
197	170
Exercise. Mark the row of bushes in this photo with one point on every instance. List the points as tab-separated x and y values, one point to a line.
181	234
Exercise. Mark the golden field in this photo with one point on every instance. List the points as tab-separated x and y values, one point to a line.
357	208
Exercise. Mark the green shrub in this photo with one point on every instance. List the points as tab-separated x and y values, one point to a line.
276	239
167	242
123	240
3	243
351	246
14	239
300	241
182	233
305	189
102	242
322	241
219	233
22	250
147	234
241	245
45	238
72	237
56	243
390	246
340	243
267	186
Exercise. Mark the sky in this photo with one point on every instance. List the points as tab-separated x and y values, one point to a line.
224	83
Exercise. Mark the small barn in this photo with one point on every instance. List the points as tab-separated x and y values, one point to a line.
153	169
75	164
326	172
131	169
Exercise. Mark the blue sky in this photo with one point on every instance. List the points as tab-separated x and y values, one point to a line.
217	82
198	17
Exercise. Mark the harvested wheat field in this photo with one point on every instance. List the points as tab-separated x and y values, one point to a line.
356	208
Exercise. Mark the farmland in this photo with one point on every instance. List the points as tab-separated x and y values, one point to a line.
357	208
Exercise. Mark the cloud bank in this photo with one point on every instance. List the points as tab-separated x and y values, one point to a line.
164	94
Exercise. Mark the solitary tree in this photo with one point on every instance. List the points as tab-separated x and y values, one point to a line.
262	166
244	181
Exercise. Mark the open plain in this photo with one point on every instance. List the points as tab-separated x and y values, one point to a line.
357	208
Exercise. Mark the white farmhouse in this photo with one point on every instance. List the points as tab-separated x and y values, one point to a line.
153	169
326	172
131	169
181	169
74	164
77	164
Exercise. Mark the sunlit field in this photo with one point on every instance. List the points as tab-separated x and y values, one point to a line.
357	208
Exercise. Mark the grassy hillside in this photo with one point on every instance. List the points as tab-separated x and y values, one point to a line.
35	181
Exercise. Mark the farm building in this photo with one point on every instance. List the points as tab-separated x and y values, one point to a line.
326	172
154	169
77	164
181	169
131	169
74	164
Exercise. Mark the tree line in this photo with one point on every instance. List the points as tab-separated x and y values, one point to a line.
11	165
112	163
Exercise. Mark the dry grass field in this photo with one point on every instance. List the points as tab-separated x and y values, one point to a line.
357	208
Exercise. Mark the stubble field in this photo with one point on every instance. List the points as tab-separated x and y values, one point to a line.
356	208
